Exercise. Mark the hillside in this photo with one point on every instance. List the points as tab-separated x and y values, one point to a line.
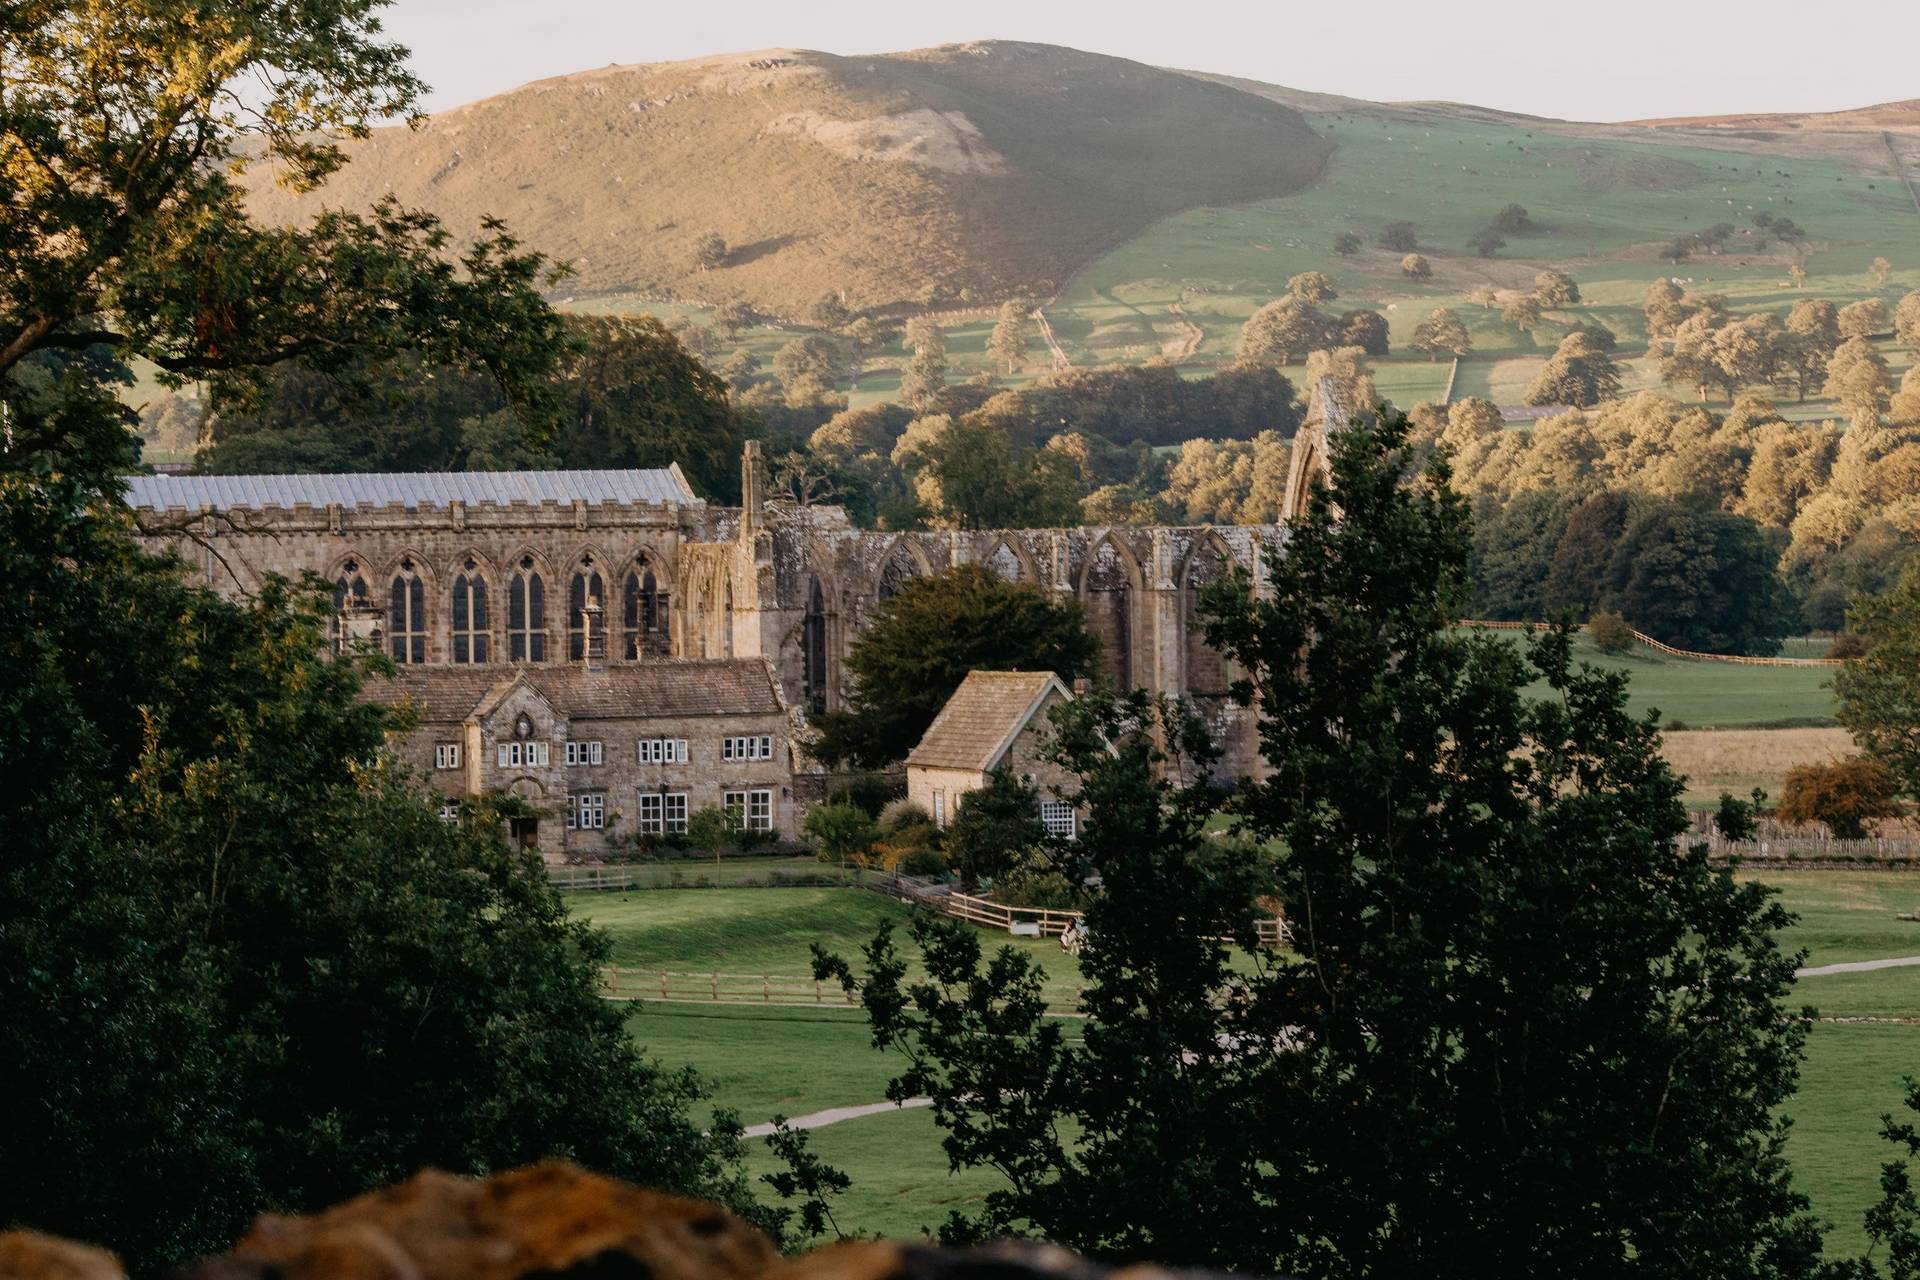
964	172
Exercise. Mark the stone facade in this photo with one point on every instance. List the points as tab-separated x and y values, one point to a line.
601	753
994	718
481	571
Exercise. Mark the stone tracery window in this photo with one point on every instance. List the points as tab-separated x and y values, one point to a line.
350	587
1109	601
645	608
470	635
407	615
526	614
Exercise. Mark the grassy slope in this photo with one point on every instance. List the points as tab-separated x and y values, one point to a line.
779	1061
992	168
1724	695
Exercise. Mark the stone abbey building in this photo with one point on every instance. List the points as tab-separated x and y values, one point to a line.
571	596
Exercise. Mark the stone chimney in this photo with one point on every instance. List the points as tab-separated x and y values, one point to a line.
594	651
753	483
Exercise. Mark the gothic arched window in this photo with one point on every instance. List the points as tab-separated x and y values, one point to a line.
644	612
470	615
407	616
526	615
350	587
584	588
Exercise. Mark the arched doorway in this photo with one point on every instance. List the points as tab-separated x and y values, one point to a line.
1208	673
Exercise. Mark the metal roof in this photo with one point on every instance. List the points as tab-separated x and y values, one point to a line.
409	489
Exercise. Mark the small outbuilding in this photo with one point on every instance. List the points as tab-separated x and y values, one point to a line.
993	718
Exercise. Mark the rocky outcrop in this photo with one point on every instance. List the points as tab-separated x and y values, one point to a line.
546	1222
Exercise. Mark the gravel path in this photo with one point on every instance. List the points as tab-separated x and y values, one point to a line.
1856	966
834	1115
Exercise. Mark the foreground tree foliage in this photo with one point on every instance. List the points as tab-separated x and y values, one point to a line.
1520	1031
243	964
923	642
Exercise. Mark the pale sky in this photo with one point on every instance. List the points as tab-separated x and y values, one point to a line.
1610	60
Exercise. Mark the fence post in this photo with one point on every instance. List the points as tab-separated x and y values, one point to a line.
716	986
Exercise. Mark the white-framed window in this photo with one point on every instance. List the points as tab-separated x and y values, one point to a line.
533	755
585	753
450	811
1057	817
662	751
446	755
940	809
663	814
751	810
586	810
758	747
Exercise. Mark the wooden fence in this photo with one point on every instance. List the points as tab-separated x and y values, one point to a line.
1669	650
1050	922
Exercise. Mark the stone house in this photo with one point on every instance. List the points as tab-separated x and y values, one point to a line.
603	752
994	718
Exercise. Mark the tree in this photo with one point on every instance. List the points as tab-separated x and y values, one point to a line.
1845	795
1816	320
1416	267
629	395
1442	330
1352	375
1698	578
1661	304
1512	220
923	641
1879	691
1797	272
1281	332
1486	242
1426	1074
925	374
1857	377
1012	333
841	830
810	356
1347	244
1578	373
136	237
1610	632
1556	289
1522	311
1881	269
244	963
1906	321
1861	319
994	827
828	311
1484	294
1399	236
709	251
1311	287
974	477
739	369
1364	329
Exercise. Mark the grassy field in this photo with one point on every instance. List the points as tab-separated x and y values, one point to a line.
1722	695
764	1062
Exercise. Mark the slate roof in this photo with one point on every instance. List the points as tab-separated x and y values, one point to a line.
982	718
619	691
409	489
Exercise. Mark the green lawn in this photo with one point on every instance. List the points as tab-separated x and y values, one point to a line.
763	1062
752	931
1719	695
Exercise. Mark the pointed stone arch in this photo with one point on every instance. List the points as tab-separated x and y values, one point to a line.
473	584
586	585
1010	562
646	581
1110	589
530	583
407	590
1205	671
903	560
